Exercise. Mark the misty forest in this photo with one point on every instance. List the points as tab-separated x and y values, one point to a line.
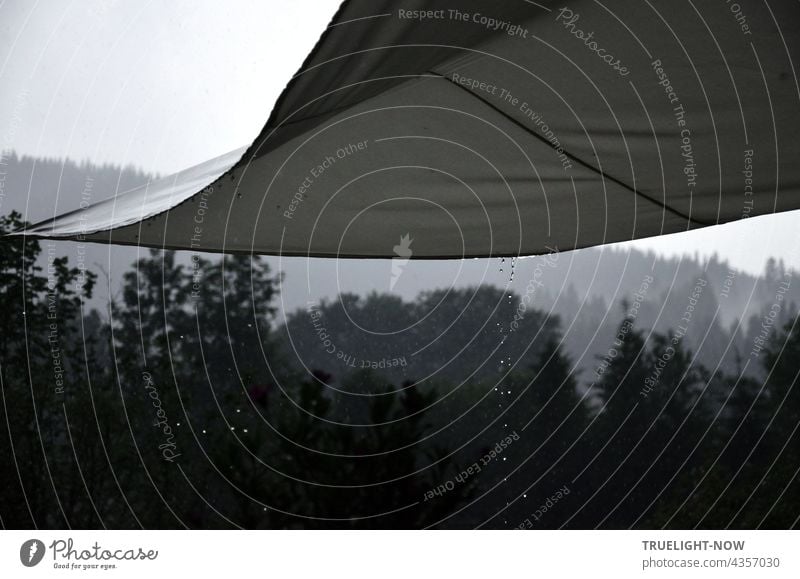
187	399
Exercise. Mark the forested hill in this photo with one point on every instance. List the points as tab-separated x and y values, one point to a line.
347	404
41	187
583	289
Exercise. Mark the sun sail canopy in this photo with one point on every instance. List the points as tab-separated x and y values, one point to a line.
496	129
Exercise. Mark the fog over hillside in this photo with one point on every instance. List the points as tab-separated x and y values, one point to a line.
585	289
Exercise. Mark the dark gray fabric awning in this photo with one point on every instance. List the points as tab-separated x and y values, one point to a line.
505	128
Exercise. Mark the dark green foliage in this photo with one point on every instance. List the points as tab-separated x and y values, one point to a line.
184	405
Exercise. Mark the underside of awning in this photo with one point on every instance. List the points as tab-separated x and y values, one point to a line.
418	130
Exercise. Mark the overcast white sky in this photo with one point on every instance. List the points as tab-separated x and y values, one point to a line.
166	85
163	85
